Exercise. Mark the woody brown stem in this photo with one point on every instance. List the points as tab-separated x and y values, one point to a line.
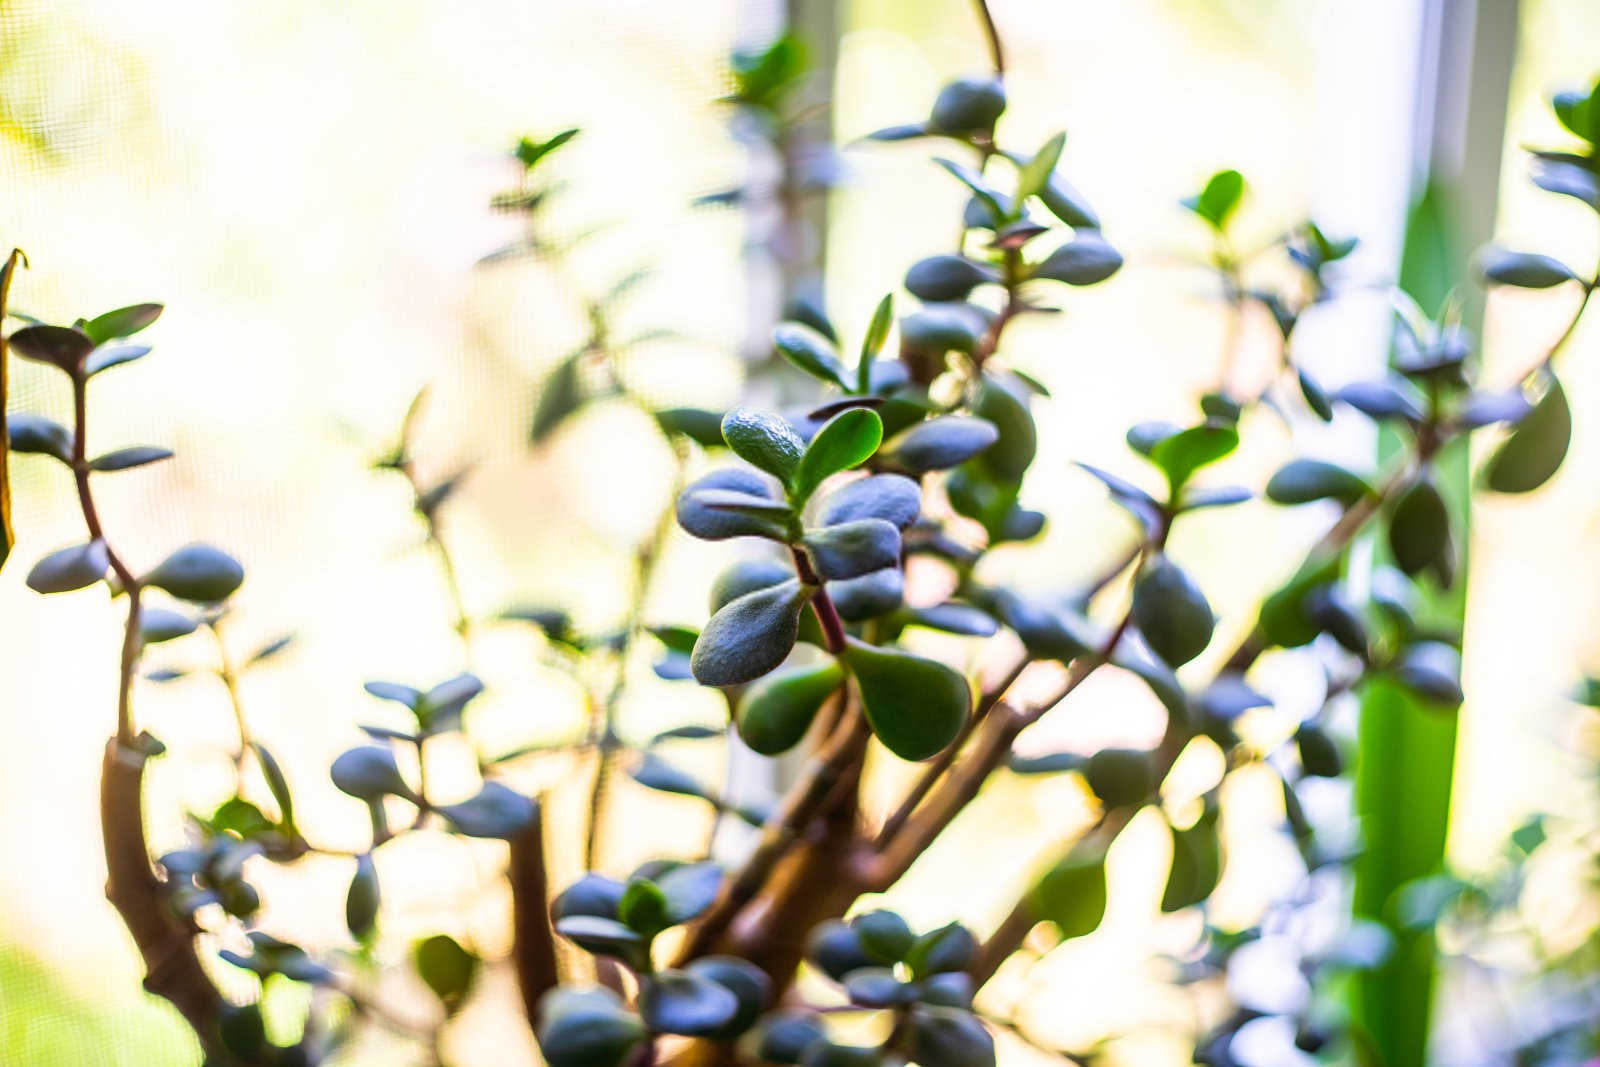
165	943
533	948
837	761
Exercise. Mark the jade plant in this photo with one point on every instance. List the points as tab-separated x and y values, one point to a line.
856	522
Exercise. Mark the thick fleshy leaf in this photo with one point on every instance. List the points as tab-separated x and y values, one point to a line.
440	707
750	635
604	937
1133	655
746	576
1068	204
954	617
104	358
1085	260
593	894
59	346
1172	612
197	572
877	987
903	132
1568	179
783	1037
1432	670
949	1037
123	322
698	515
1303	480
361	901
1526	270
953	989
1380	400
643	908
561	397
872	343
1196	863
702	427
1141	504
1047	632
946	277
1534	451
811	352
1316	397
37	435
968	105
949	948
891	497
369	773
747	982
749	505
446	968
851	549
775	712
884	935
844	441
277	784
940	443
915	706
127	458
1319	753
1229	697
400	694
1218	200
1003	402
1576	111
836	949
1331	608
869	595
496	811
826	1053
686	1002
1181	454
1286	616
939	328
1045	763
587	1028
653	772
67	569
158	624
1033	175
763	440
1419	527
1120	777
1143	437
1072	893
688	889
1484	409
1194	497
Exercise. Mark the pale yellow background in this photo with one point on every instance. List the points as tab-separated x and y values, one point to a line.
304	184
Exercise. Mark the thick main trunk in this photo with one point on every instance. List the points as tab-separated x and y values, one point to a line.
815	881
172	967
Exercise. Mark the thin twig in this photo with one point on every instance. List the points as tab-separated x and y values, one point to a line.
604	734
992	34
229	676
166	945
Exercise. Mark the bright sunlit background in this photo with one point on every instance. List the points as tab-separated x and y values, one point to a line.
305	186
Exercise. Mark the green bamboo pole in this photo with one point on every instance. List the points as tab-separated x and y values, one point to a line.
1404	776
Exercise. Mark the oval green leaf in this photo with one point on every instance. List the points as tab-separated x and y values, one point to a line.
915	706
